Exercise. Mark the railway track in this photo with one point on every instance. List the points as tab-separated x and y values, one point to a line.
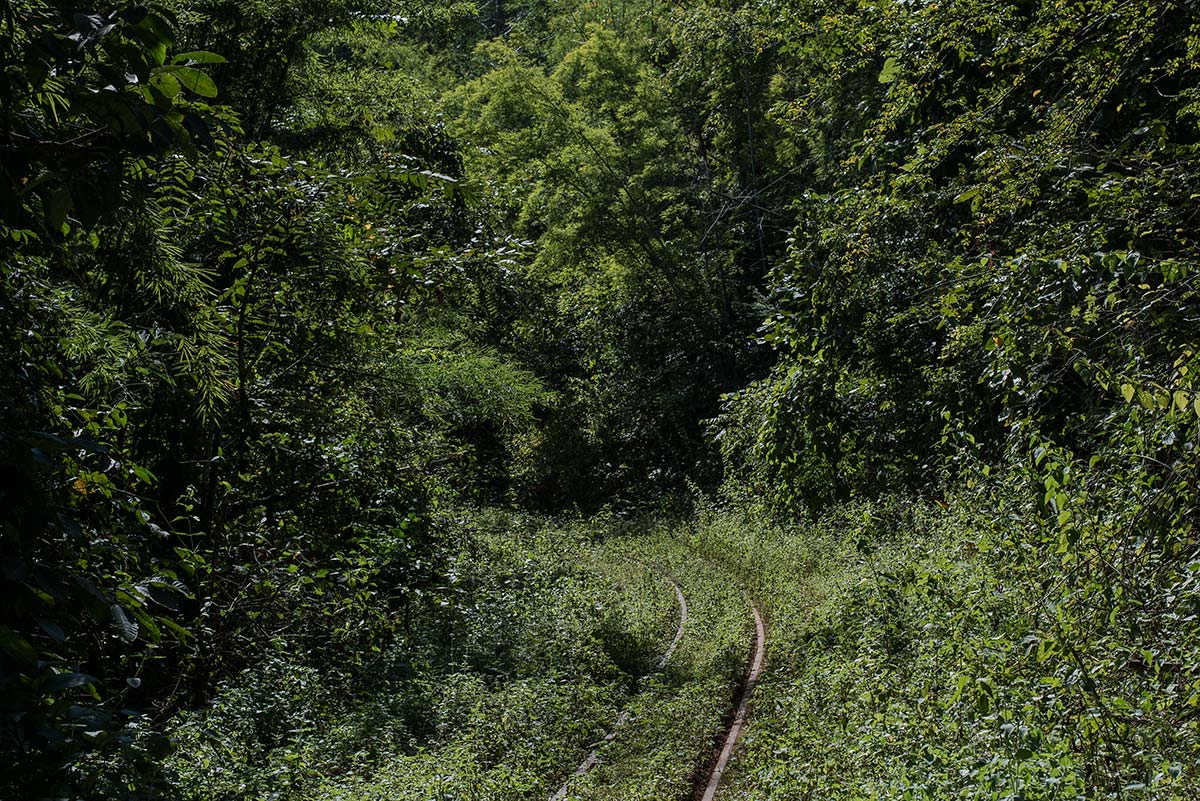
593	758
706	791
743	709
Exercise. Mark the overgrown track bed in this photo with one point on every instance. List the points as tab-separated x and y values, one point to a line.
594	756
541	636
518	662
679	713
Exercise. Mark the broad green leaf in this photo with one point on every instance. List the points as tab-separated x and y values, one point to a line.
127	629
166	83
195	81
181	634
57	206
65	681
198	57
970	194
53	629
891	69
17	646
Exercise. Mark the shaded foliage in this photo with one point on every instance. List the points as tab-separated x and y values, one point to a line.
283	284
229	407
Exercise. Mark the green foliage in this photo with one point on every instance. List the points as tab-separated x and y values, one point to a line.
283	284
498	682
229	405
85	96
92	106
987	232
593	159
968	649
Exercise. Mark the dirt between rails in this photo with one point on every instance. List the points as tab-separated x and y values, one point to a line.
592	758
708	781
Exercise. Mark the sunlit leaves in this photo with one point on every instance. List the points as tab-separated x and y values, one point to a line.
890	71
194	80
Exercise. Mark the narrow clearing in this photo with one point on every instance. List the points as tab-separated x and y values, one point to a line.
739	720
623	718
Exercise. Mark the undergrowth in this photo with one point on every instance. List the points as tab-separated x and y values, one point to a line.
677	717
961	648
523	658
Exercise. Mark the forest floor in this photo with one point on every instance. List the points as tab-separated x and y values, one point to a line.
607	660
708	782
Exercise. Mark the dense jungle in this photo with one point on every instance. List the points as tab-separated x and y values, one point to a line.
617	400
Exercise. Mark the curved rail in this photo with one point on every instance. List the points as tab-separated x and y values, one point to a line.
594	757
739	720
